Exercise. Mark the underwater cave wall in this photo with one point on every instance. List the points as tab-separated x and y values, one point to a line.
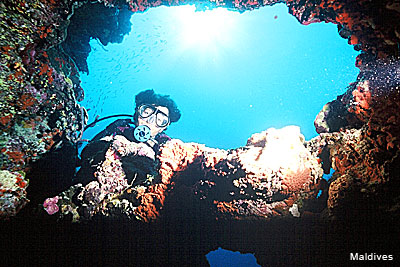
39	91
365	152
370	26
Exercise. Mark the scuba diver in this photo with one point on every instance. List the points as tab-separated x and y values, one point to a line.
153	114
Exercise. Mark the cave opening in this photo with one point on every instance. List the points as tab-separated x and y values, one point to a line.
259	69
232	78
232	74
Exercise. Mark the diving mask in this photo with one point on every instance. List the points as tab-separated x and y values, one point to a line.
152	113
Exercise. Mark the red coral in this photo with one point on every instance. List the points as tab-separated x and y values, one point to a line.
338	191
362	99
16	156
362	156
6	119
235	175
21	182
26	101
151	201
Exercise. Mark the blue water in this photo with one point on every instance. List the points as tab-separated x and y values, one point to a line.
231	74
226	258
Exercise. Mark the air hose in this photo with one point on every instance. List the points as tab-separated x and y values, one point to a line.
105	118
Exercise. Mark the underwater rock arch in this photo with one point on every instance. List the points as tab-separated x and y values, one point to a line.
43	46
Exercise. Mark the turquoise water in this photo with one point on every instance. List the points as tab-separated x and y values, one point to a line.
257	72
231	74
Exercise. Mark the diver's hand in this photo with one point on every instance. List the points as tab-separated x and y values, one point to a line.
124	147
145	151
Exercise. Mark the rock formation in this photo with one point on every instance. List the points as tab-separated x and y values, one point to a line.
274	175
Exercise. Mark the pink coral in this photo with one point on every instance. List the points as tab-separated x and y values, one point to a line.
50	205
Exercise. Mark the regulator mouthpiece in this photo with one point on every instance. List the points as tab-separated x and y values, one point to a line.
142	133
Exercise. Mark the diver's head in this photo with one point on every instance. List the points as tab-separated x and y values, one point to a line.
155	111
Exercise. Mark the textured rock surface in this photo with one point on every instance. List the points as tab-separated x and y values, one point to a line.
250	182
366	160
38	104
12	193
274	175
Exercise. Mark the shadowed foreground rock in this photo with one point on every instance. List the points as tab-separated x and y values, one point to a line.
261	198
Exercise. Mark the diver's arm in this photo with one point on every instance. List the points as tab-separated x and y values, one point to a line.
123	147
112	128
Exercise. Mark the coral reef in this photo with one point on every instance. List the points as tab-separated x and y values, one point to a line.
273	175
364	174
335	116
365	159
38	103
116	182
40	82
12	193
50	205
266	178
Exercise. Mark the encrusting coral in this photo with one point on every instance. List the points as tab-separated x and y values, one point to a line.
12	193
38	102
365	159
273	172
